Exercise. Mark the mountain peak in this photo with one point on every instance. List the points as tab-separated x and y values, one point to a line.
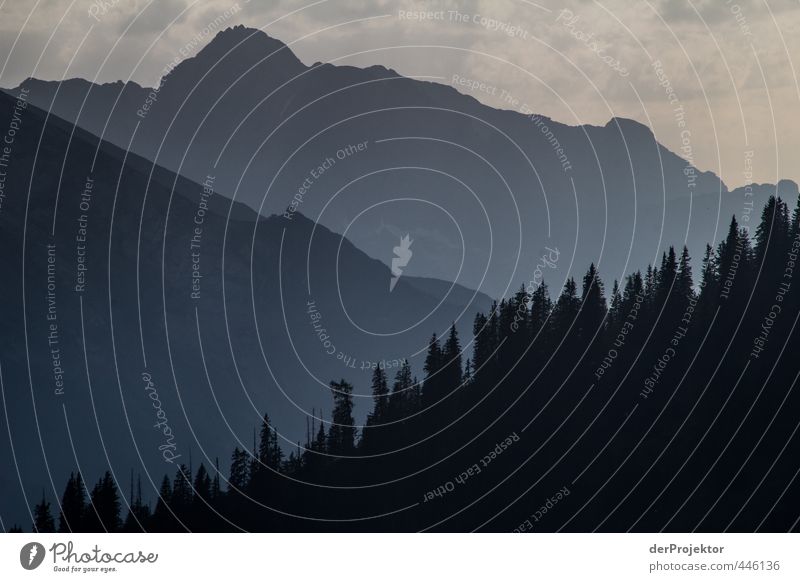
250	40
237	49
240	33
627	124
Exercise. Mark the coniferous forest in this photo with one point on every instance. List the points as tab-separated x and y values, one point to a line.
661	402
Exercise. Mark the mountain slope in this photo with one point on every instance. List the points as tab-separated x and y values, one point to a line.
137	300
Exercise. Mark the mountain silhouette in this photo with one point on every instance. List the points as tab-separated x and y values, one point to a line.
482	191
257	236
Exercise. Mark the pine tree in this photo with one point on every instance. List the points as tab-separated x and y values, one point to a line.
380	410
665	280
729	257
772	237
631	309
650	285
268	461
593	304
321	441
505	320
763	231
239	478
493	339
432	387
380	397
341	436
514	325
73	505
400	401
709	280
773	230
567	307
414	398
202	483
201	515
103	512
181	492
270	455
794	229
541	307
483	344
615	307
452	373
216	490
42	518
468	371
684	286
163	517
521	321
634	289
138	512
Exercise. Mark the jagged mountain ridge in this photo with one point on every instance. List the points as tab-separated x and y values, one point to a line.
481	190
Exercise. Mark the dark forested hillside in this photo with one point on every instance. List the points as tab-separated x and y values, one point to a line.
666	401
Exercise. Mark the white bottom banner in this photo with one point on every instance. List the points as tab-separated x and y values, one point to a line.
349	557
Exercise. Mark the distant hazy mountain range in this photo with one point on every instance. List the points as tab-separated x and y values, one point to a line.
481	191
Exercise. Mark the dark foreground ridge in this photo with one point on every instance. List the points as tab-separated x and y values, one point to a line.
671	406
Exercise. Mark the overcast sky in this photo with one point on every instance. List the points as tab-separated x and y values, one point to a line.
728	64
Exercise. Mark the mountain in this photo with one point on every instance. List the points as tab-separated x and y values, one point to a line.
137	301
371	154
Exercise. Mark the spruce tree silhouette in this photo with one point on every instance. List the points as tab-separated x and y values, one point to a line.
433	382
342	434
42	518
380	412
164	520
138	516
73	505
102	514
